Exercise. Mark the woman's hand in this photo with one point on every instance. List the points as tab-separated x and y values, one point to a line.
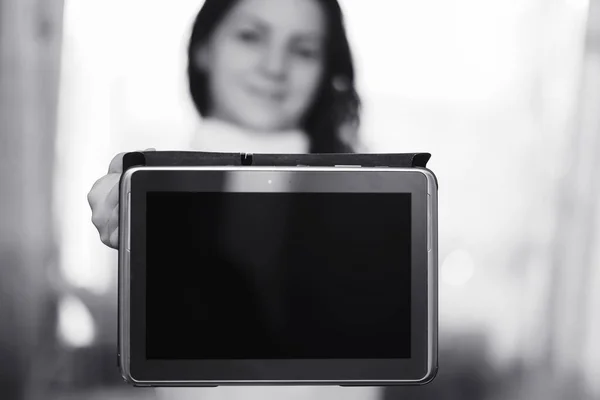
104	202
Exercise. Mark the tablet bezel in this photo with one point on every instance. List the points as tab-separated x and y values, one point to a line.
420	368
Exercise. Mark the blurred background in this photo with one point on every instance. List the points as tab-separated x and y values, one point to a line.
504	93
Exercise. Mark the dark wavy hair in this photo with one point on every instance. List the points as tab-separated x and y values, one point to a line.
336	105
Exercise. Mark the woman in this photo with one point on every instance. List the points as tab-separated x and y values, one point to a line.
266	76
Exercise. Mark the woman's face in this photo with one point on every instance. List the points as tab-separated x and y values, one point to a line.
265	62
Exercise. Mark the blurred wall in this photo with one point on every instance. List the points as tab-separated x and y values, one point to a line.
572	352
30	32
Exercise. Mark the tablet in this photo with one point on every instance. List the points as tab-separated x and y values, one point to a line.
245	274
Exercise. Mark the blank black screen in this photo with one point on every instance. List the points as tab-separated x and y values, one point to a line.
278	275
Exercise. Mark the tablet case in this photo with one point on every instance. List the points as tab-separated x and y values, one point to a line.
194	158
198	158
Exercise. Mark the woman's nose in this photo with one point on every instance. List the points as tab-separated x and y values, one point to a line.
274	64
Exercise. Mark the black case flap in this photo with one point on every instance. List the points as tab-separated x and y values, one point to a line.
194	158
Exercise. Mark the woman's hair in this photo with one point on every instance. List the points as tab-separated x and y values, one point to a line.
336	105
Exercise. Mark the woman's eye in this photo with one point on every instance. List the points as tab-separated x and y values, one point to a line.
249	36
308	53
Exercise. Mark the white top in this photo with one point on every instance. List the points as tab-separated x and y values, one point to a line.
269	393
219	136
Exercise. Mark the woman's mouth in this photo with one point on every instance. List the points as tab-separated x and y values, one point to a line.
265	94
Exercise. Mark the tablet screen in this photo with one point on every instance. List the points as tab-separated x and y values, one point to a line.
278	275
